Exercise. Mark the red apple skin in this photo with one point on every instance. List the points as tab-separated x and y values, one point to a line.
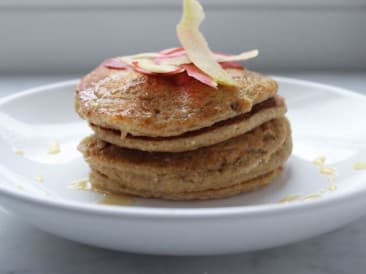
175	53
114	63
137	68
191	71
230	64
177	71
171	51
199	75
181	79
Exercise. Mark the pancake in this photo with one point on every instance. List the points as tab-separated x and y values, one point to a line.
209	172
160	106
115	182
104	184
265	111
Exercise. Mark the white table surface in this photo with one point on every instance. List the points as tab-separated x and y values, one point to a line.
25	250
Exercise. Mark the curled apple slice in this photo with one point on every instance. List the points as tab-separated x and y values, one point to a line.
129	59
175	60
136	67
238	57
199	75
219	57
196	45
148	66
230	64
171	54
143	55
114	63
172	51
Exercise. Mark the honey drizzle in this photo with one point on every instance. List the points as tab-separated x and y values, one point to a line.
290	198
82	184
359	166
116	200
108	198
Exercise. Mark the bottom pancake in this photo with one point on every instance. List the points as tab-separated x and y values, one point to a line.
104	184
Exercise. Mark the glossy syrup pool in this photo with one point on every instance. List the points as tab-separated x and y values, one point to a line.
107	198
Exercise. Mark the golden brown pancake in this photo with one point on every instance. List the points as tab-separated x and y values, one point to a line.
265	111
160	106
160	137
227	168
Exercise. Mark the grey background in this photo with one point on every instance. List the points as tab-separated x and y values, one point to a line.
39	36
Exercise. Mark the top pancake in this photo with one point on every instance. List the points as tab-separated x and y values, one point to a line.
161	106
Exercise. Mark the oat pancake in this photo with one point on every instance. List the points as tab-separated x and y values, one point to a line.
265	111
160	106
184	123
170	182
209	172
104	184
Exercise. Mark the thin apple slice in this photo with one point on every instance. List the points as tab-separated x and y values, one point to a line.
199	75
129	59
114	63
171	51
219	57
173	60
137	68
230	64
237	57
171	54
196	45
149	66
143	55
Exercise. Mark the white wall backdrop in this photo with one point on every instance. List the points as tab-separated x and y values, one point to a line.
65	36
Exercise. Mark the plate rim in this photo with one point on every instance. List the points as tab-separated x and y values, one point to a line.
231	211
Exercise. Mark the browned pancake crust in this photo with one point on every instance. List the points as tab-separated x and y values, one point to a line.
168	183
105	184
265	111
266	138
155	106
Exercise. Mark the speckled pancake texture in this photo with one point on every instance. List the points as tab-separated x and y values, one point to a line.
270	109
168	175
160	106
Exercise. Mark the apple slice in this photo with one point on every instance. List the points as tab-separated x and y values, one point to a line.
114	63
172	51
148	66
196	45
199	75
136	67
175	60
220	57
171	54
129	59
233	65
143	55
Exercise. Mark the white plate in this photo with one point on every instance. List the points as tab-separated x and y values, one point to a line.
325	120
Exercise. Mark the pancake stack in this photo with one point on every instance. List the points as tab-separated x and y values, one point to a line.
178	139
